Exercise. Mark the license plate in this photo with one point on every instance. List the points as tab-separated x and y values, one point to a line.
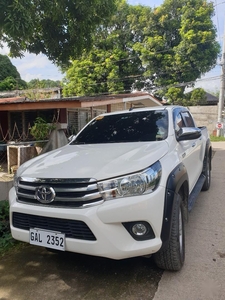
48	239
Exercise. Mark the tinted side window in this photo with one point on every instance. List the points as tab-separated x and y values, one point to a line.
178	122
188	120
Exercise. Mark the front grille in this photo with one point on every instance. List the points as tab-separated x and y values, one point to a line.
72	228
71	193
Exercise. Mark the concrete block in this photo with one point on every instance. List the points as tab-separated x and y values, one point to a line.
5	186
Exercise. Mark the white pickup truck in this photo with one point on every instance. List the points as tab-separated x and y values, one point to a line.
123	187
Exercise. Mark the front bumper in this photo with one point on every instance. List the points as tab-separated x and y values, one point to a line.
105	222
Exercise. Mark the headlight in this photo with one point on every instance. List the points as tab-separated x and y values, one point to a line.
132	185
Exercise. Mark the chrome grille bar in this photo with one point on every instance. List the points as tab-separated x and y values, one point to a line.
72	193
84	198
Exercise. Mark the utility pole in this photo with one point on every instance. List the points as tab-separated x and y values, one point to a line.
222	87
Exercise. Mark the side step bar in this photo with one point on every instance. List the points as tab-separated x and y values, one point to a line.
195	192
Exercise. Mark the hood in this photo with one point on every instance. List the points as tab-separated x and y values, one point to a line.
99	161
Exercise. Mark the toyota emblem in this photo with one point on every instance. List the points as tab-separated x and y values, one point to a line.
45	194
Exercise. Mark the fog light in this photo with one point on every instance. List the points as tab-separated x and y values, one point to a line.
139	229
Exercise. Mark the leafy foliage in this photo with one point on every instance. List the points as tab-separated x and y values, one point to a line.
180	42
41	89
112	65
41	129
7	68
45	83
176	96
10	84
5	235
196	97
61	29
132	47
9	76
162	50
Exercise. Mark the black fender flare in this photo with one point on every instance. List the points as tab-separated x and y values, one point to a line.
208	153
177	180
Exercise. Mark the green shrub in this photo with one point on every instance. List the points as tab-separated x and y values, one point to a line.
41	129
217	138
5	235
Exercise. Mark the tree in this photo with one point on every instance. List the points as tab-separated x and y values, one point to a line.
9	76
7	68
60	29
44	83
176	96
196	97
112	65
148	49
180	43
8	84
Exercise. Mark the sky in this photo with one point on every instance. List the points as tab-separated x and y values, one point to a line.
33	66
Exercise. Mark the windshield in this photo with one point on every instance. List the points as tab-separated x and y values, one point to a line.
134	126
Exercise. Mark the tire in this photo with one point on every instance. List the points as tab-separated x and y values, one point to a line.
207	174
172	257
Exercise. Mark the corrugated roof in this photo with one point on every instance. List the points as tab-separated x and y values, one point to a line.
12	100
15	93
211	98
79	98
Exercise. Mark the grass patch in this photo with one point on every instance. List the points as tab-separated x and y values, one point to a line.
217	138
6	240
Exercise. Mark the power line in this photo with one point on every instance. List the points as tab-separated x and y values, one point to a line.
218	28
183	84
94	65
219	3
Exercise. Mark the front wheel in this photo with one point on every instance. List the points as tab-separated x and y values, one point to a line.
172	256
207	173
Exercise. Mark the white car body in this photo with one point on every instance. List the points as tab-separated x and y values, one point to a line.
101	162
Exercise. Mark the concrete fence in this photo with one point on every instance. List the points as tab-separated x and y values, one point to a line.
205	116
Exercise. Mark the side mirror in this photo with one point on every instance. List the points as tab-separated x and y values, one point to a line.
188	133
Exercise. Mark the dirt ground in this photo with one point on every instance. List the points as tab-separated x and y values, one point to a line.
31	272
